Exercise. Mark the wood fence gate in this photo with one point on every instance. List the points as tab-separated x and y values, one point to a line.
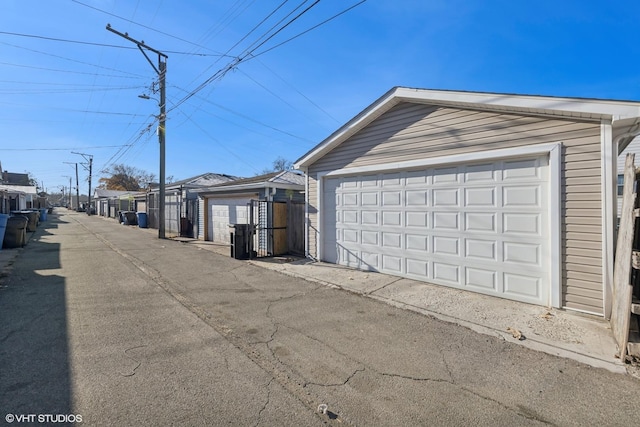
277	228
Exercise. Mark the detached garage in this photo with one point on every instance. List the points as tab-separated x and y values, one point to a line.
510	196
228	203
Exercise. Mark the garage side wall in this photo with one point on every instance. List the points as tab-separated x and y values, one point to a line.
416	131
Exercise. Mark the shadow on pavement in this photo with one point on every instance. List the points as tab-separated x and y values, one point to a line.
34	354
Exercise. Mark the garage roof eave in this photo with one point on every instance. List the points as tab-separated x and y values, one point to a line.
247	187
576	108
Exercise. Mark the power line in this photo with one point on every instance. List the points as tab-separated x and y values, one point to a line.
59	149
242	159
227	18
69	59
298	92
276	95
310	29
96	44
295	18
243	38
143	26
113	113
92	89
244	116
57	70
223	71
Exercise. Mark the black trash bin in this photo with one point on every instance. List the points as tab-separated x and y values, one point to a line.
16	234
240	238
129	218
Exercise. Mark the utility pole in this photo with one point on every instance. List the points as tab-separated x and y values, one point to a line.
77	186
69	193
90	158
161	70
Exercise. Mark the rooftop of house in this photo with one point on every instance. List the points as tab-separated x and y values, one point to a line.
280	179
11	178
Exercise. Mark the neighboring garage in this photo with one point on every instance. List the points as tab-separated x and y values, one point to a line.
228	203
510	196
224	211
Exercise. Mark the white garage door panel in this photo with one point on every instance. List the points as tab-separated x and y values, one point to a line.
482	227
223	212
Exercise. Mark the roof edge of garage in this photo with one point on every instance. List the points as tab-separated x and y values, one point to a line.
578	108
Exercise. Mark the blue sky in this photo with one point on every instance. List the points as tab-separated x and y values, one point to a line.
79	93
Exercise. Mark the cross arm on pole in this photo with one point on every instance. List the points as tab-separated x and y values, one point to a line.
139	43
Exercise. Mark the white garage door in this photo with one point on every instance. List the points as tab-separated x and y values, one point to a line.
482	227
223	212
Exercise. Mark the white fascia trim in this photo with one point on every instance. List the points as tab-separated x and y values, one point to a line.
231	196
373	111
244	187
608	182
551	105
553	150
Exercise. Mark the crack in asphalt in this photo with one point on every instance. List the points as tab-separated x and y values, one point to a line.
264	407
519	411
349	378
296	387
292	385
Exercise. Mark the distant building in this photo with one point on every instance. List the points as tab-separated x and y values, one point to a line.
11	178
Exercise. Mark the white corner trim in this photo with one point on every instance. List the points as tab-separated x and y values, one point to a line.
555	224
319	236
608	177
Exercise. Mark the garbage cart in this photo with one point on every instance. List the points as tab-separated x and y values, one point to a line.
15	235
240	240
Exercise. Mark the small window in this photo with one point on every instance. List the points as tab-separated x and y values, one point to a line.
620	184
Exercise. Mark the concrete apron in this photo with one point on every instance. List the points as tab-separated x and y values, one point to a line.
584	338
573	335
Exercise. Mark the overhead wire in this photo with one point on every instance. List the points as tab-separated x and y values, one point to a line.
248	118
275	95
298	91
114	113
138	24
248	53
70	60
95	147
173	52
310	29
226	54
224	147
234	63
230	15
57	70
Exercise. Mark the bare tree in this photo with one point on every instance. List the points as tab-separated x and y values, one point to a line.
125	178
280	164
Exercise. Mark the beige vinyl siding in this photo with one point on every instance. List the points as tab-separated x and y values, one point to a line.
412	131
